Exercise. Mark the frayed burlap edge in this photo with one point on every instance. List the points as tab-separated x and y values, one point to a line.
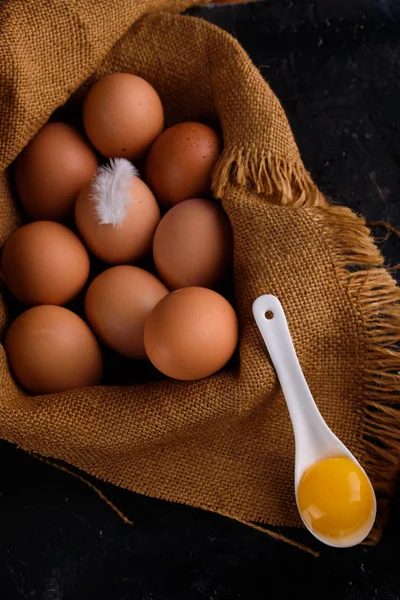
373	292
259	170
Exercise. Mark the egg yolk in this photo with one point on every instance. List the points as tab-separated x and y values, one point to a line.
335	497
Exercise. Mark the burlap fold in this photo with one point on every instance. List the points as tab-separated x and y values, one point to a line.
224	443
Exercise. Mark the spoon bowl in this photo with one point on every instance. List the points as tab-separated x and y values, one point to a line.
314	441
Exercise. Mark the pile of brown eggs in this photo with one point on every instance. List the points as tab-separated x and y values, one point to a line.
85	210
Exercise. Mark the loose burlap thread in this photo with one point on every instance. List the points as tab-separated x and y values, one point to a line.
224	443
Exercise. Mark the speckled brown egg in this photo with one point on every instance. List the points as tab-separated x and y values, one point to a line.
117	305
44	263
181	161
191	333
51	171
122	115
50	349
193	245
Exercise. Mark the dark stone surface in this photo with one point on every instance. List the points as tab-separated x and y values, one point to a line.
335	67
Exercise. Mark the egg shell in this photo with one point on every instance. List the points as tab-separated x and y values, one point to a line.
180	162
122	115
44	263
51	171
191	333
124	243
117	305
193	245
50	349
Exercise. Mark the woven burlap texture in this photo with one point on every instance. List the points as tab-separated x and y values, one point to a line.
224	443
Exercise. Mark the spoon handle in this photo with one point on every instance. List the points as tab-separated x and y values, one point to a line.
310	430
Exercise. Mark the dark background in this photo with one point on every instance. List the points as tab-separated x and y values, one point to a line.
334	64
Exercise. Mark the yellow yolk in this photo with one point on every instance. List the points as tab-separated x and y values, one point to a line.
335	497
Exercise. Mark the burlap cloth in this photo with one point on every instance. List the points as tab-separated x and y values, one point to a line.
224	443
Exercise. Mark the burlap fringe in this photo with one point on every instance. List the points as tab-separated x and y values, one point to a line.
389	230
359	266
262	172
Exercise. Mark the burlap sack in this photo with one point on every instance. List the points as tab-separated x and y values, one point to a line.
224	443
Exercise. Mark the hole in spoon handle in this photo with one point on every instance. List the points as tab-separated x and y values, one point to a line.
271	321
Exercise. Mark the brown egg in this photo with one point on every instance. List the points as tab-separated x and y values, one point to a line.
191	333
51	171
125	242
44	263
193	245
117	305
122	115
50	349
181	161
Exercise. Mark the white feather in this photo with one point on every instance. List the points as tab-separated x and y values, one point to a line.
111	191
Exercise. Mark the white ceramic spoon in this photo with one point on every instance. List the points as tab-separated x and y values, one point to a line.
314	441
